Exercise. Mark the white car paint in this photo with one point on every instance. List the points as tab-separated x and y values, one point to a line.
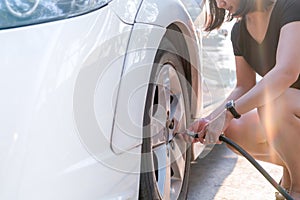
126	10
45	149
128	124
71	112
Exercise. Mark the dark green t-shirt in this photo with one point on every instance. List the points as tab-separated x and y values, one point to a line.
262	56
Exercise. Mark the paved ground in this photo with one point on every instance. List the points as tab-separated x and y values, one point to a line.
222	175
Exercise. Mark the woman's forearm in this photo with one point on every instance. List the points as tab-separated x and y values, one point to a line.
268	89
236	93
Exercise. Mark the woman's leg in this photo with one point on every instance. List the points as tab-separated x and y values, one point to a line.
281	122
249	133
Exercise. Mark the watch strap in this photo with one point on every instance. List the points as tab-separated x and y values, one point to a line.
230	107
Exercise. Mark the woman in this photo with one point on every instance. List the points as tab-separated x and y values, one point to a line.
263	117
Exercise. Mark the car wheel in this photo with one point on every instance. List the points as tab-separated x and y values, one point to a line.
165	163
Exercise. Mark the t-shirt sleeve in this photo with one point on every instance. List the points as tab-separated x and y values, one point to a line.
290	12
235	35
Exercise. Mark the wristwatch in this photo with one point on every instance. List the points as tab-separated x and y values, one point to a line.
230	107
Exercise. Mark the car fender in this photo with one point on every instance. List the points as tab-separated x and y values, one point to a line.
128	123
150	27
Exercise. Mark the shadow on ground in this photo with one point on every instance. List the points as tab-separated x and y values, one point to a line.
208	174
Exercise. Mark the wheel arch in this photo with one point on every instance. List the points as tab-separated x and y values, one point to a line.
190	54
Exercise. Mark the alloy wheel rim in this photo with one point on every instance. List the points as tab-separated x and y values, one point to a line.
168	117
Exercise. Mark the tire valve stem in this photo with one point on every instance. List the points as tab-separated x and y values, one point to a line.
171	125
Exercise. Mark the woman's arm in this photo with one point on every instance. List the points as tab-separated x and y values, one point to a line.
281	77
215	121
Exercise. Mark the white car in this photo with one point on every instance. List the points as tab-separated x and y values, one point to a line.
92	95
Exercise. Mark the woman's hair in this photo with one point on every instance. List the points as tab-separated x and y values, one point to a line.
216	16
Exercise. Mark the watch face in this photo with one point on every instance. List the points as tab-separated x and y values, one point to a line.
230	104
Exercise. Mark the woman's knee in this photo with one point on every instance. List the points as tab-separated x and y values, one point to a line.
248	133
234	132
248	126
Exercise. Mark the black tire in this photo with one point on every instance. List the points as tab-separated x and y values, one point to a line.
150	171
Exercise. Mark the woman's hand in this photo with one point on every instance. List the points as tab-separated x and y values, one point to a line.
215	128
210	131
199	127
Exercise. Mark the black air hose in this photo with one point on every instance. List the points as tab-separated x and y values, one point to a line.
257	166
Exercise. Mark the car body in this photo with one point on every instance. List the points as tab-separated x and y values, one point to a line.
79	91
